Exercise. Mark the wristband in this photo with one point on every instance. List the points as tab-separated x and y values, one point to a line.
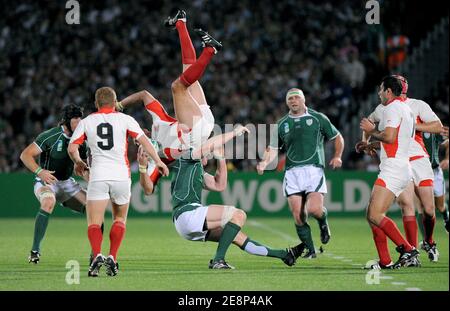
38	170
142	169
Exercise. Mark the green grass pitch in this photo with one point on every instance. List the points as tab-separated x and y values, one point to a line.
154	257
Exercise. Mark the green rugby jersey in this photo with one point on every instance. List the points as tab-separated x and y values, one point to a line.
187	182
303	137
432	143
54	157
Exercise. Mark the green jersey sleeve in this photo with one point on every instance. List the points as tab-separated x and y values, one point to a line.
328	130
42	141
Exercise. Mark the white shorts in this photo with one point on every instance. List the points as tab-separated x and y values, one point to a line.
395	175
304	179
63	189
439	182
118	191
201	130
189	224
423	175
172	135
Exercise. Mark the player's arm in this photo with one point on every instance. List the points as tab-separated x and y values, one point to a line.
387	136
139	97
336	161
28	156
430	127
144	180
218	182
271	152
151	151
77	139
217	142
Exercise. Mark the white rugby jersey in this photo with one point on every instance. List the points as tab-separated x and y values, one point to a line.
397	115
107	132
422	113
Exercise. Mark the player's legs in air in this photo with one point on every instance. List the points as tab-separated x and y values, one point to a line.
223	224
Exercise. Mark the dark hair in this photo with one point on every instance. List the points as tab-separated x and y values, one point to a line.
391	82
68	113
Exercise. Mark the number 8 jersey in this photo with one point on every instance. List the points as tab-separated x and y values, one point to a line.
107	132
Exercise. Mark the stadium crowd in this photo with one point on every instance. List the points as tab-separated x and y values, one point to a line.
325	49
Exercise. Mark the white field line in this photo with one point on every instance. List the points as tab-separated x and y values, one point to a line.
331	255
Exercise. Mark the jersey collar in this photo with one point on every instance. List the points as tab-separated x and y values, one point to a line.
396	98
64	133
300	116
106	110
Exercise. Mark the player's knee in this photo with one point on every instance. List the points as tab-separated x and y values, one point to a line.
48	204
239	216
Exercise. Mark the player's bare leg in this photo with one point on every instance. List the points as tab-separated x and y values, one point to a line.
426	197
188	54
297	205
186	107
380	201
95	211
47	204
315	208
406	202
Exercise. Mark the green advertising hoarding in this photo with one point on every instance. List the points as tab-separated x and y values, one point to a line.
348	192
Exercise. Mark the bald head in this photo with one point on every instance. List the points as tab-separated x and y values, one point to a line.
295	99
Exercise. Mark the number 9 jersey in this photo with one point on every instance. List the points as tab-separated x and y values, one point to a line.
107	132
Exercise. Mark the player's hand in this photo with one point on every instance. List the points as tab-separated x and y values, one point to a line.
361	146
444	131
444	164
239	130
367	126
162	168
80	168
336	163
142	156
47	177
260	167
371	149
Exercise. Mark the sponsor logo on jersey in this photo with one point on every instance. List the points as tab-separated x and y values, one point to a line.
309	122
426	135
286	128
60	145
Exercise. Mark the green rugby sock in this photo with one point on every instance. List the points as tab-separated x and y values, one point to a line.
304	234
445	213
40	226
228	234
323	220
255	248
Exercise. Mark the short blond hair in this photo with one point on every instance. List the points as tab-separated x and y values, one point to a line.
105	96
